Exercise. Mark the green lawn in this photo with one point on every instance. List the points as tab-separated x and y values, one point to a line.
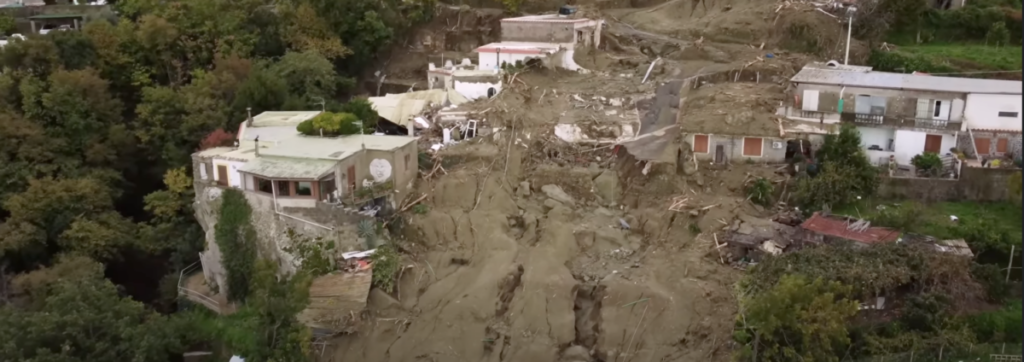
969	56
934	218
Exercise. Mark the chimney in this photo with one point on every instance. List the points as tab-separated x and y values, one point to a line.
248	122
257	149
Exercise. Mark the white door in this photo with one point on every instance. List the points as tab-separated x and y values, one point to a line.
923	105
810	100
941	109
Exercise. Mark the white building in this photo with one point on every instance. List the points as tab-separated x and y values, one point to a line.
551	39
902	115
993	125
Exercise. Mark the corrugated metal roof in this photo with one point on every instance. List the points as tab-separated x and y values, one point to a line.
291	168
875	79
400	108
839	228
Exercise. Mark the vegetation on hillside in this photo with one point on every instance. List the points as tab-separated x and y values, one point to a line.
98	126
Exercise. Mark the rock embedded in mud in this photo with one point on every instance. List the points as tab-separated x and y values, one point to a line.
555	192
607	186
524	189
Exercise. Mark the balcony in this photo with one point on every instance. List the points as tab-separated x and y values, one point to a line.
874	120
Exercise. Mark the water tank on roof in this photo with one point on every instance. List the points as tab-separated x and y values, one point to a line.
566	10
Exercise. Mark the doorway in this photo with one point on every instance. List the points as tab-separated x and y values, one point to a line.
933	143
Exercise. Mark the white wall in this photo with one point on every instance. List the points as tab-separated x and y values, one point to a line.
488	60
982	111
911	143
234	178
876	136
474	91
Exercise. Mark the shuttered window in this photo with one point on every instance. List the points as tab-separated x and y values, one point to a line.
983	145
753	147
700	143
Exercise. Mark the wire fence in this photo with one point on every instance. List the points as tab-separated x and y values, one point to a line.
974	353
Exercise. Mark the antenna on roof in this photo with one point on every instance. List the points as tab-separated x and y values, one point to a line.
248	122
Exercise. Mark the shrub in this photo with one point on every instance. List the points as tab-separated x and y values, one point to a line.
236	238
760	191
332	124
928	163
997	35
386	264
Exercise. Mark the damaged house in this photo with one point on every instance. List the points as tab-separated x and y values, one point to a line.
315	187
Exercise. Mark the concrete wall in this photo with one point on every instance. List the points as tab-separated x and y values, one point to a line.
975	184
476	90
538	32
898	103
734	149
982	111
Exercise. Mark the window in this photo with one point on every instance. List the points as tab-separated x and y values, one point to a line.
408	164
1008	114
982	145
304	188
938	109
1002	145
284	188
202	171
264	185
752	147
700	143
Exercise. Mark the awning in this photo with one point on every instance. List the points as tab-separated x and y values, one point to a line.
289	168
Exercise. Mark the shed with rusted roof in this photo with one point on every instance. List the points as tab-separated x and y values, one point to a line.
832	228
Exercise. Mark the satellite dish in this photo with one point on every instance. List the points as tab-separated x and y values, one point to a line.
832	64
380	170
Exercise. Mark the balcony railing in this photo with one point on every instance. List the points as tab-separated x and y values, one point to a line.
899	122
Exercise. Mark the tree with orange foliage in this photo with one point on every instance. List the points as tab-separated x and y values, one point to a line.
218	138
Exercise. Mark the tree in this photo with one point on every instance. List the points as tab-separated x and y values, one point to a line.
218	138
64	215
363	110
7	24
308	74
265	328
800	319
846	173
84	319
236	238
997	35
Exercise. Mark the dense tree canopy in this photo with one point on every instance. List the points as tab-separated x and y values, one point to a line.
98	126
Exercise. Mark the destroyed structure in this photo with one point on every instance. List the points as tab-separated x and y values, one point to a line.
298	187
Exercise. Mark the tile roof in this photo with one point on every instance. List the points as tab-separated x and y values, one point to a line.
840	228
875	79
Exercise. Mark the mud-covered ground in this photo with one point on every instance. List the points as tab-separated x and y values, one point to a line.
521	254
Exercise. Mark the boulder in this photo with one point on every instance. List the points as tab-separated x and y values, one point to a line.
555	192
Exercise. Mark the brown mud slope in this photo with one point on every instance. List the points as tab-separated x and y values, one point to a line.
522	258
780	26
452	34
